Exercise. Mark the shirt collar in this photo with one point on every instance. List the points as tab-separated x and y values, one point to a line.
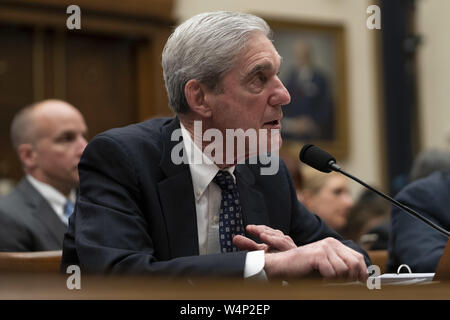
52	195
202	168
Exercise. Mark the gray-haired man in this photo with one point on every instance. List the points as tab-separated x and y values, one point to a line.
140	212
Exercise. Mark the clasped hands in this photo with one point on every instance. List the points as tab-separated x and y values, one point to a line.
283	259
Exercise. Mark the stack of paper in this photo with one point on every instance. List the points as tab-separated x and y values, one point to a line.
405	278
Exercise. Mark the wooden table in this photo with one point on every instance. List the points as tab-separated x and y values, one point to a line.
53	286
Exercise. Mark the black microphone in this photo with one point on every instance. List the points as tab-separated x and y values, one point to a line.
321	160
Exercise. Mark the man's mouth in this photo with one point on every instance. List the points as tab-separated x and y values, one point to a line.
274	124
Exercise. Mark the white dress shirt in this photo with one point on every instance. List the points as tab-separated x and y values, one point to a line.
55	198
208	197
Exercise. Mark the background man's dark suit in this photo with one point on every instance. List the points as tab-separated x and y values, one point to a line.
413	242
136	209
28	222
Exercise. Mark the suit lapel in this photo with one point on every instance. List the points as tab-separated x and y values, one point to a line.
176	194
47	217
177	198
252	201
43	212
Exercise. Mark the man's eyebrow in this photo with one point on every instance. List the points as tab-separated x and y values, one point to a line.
60	134
65	131
262	67
256	69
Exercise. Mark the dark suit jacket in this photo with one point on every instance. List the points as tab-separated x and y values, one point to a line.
136	208
413	242
28	222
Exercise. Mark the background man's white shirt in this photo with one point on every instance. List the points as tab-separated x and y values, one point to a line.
55	198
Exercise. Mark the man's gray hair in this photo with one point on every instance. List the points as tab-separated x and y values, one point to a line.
204	48
428	162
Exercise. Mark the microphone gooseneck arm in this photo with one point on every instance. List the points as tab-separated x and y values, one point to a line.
333	166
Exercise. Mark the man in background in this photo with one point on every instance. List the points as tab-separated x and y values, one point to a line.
412	242
49	138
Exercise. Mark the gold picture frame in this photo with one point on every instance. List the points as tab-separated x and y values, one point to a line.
314	72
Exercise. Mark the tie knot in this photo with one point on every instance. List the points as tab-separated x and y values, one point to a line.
224	180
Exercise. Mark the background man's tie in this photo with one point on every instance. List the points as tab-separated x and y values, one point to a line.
68	209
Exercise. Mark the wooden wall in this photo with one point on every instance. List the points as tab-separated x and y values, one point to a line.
110	69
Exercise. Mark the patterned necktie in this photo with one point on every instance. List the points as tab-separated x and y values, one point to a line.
68	209
230	217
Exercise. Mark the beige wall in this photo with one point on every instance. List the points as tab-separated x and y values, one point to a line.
364	158
433	25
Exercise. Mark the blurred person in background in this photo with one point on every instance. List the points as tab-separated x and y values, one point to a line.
327	195
428	162
368	222
412	242
49	138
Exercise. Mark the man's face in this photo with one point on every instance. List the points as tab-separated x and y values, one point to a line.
252	94
60	142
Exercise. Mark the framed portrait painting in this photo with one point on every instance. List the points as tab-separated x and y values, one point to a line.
313	71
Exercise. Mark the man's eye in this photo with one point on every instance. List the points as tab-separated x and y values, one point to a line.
261	77
65	138
259	80
339	191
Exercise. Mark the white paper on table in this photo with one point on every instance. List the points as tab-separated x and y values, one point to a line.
405	278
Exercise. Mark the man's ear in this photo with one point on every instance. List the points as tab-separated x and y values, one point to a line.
27	155
195	97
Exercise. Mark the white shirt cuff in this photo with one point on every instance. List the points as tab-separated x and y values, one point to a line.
254	265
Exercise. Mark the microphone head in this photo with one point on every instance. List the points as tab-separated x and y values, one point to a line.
317	158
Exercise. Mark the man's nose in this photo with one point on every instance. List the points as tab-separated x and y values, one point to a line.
280	96
81	145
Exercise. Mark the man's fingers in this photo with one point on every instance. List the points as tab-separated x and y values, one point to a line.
326	269
275	239
363	275
345	262
256	230
281	243
356	265
329	257
357	269
339	266
244	243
